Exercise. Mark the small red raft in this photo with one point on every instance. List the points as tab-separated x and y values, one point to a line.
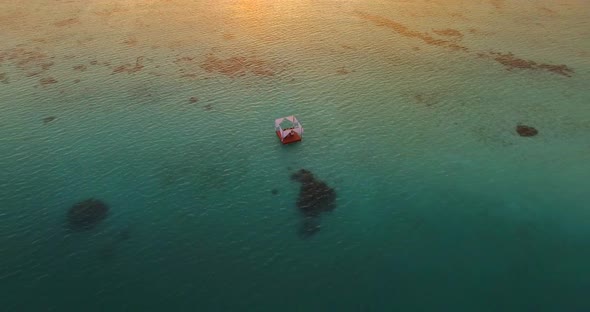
288	129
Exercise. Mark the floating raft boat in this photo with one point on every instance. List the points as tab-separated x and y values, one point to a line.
288	129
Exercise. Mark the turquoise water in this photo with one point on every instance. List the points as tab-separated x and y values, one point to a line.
441	206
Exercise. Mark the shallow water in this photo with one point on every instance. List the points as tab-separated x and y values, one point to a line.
409	109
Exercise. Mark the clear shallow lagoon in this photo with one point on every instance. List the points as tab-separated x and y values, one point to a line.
409	107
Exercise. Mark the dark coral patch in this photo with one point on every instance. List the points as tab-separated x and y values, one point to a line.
48	119
342	71
80	67
130	68
46	66
86	214
498	4
33	74
562	69
507	59
510	62
189	75
315	198
548	11
410	33
4	78
238	66
526	131
30	61
132	41
67	22
184	59
47	81
427	99
448	32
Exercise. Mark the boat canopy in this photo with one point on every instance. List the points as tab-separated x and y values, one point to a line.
284	131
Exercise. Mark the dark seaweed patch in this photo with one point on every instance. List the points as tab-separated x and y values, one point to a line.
407	32
189	75
86	214
31	61
130	41
67	22
507	59
342	71
47	81
33	74
48	119
315	198
526	131
547	11
498	4
238	66
80	67
427	99
448	32
46	66
274	191
511	62
130	68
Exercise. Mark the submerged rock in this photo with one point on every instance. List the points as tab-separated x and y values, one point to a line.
86	214
526	131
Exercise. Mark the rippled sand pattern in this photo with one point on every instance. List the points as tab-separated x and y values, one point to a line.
449	141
